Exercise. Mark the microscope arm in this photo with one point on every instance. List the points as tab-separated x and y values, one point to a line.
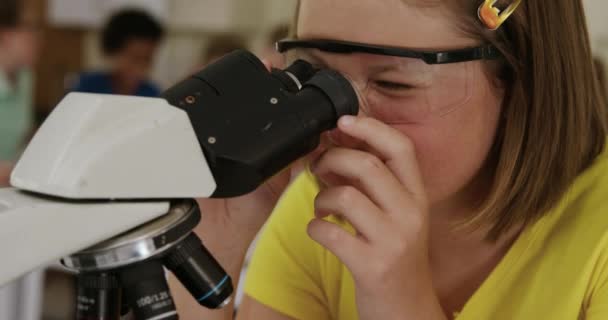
99	166
36	231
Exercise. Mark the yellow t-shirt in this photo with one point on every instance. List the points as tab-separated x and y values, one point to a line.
557	269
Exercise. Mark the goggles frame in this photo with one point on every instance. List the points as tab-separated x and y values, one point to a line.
486	52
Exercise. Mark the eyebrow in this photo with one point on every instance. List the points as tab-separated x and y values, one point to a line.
313	53
317	57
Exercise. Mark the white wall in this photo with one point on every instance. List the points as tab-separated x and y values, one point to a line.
597	18
91	13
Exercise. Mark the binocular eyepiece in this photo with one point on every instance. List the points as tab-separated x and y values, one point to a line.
252	123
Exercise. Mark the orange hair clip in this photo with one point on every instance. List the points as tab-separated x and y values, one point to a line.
492	17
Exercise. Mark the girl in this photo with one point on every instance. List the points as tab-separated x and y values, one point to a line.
472	185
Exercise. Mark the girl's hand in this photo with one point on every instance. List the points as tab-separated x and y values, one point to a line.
378	189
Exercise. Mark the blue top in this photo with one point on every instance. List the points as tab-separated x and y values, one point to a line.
101	82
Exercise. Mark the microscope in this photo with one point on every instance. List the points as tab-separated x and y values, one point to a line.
107	183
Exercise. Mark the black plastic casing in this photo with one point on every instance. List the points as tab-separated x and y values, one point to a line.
252	123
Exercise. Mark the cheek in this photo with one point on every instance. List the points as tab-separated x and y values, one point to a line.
452	150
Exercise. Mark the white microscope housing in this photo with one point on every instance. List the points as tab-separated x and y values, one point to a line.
88	173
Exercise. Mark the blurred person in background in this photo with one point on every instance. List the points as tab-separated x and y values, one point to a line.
130	42
219	46
270	53
21	299
18	49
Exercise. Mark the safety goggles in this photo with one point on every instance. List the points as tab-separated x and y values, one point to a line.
397	85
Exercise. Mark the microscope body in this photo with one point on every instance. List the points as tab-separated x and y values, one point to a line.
107	181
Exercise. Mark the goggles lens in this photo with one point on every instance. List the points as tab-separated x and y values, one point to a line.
396	89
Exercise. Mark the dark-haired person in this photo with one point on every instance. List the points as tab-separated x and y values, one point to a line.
472	186
220	45
129	41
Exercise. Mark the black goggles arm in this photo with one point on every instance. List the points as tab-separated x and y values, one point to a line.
487	52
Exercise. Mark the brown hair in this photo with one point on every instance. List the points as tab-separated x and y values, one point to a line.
278	33
554	120
222	44
600	69
10	13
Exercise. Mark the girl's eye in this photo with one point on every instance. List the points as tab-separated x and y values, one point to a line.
315	64
393	86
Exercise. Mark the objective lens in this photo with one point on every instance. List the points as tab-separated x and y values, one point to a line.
98	297
147	292
200	273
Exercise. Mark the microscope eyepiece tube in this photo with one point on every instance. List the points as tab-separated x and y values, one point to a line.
252	126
